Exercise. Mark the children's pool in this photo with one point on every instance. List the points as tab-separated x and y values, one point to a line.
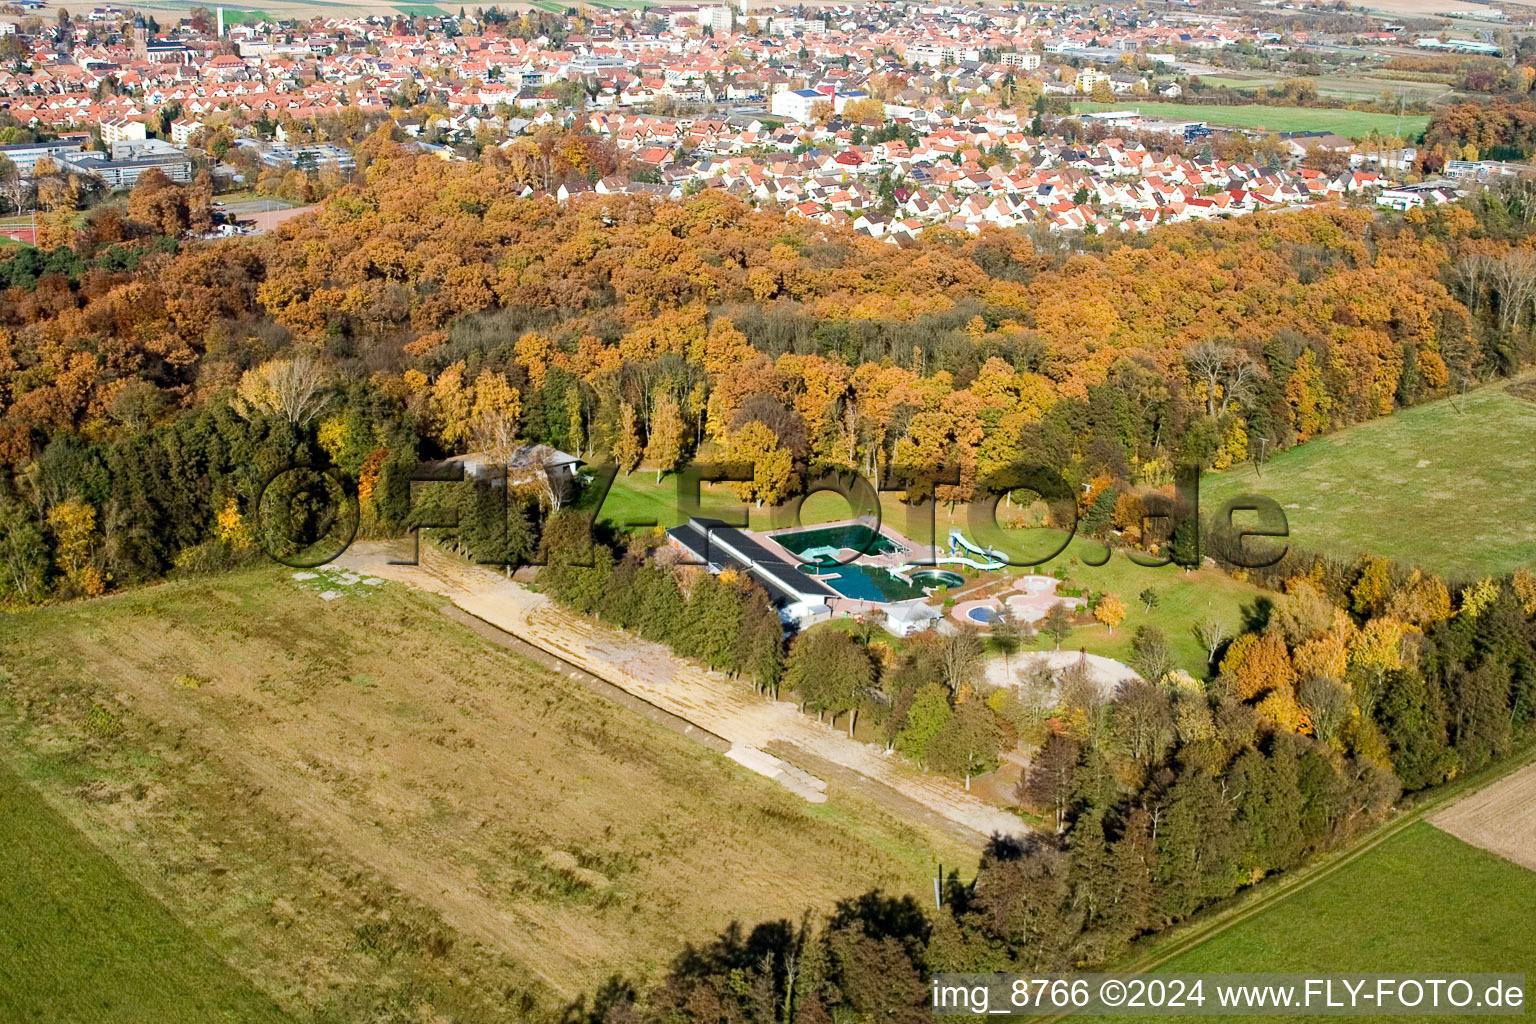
936	578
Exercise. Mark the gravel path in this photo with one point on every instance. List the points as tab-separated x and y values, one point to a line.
707	699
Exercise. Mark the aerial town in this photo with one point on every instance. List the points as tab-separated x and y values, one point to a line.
891	118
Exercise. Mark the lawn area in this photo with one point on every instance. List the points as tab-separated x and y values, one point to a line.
1183	597
236	16
1182	600
81	942
365	805
1422	901
1351	123
1445	485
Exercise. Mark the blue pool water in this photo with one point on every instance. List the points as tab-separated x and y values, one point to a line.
866	582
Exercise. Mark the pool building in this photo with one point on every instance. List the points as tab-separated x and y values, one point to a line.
820	572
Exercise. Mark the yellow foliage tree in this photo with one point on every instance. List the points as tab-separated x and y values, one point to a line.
494	411
773	476
1524	584
1258	666
74	534
664	447
1478	596
1281	709
230	525
626	449
450	404
1110	610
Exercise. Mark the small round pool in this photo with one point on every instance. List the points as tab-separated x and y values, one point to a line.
936	578
985	616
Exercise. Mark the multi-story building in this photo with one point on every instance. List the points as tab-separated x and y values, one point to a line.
1026	59
796	104
123	129
25	155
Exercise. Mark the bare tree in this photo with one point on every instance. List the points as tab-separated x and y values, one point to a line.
1224	370
1144	721
296	389
495	432
960	653
1473	272
1242	377
1329	704
1515	276
1210	633
553	479
1207	363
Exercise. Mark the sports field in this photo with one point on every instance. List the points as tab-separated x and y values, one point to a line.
364	806
1446	486
234	16
1350	123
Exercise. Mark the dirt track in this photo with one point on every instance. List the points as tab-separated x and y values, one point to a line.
1500	818
708	699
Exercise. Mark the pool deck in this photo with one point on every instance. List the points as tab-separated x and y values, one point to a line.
907	553
1029	598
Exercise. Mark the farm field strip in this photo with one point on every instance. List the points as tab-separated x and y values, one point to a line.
1352	123
1185	948
648	670
76	934
1500	819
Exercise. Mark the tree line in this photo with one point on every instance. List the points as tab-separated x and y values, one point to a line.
1152	805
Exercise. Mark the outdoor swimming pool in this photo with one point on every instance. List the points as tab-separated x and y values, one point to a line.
936	578
866	582
820	544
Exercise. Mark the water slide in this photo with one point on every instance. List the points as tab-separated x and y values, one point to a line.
996	559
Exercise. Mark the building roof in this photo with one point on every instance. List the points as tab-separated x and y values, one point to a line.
723	546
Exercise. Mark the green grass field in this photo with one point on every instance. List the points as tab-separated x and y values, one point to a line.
1446	486
235	16
81	942
1423	901
1351	123
420	10
1182	599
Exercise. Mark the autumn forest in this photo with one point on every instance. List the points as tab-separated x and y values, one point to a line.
150	387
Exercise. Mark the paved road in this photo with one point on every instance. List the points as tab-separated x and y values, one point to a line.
710	700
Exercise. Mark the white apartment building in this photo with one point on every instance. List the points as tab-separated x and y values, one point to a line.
796	104
122	129
183	129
